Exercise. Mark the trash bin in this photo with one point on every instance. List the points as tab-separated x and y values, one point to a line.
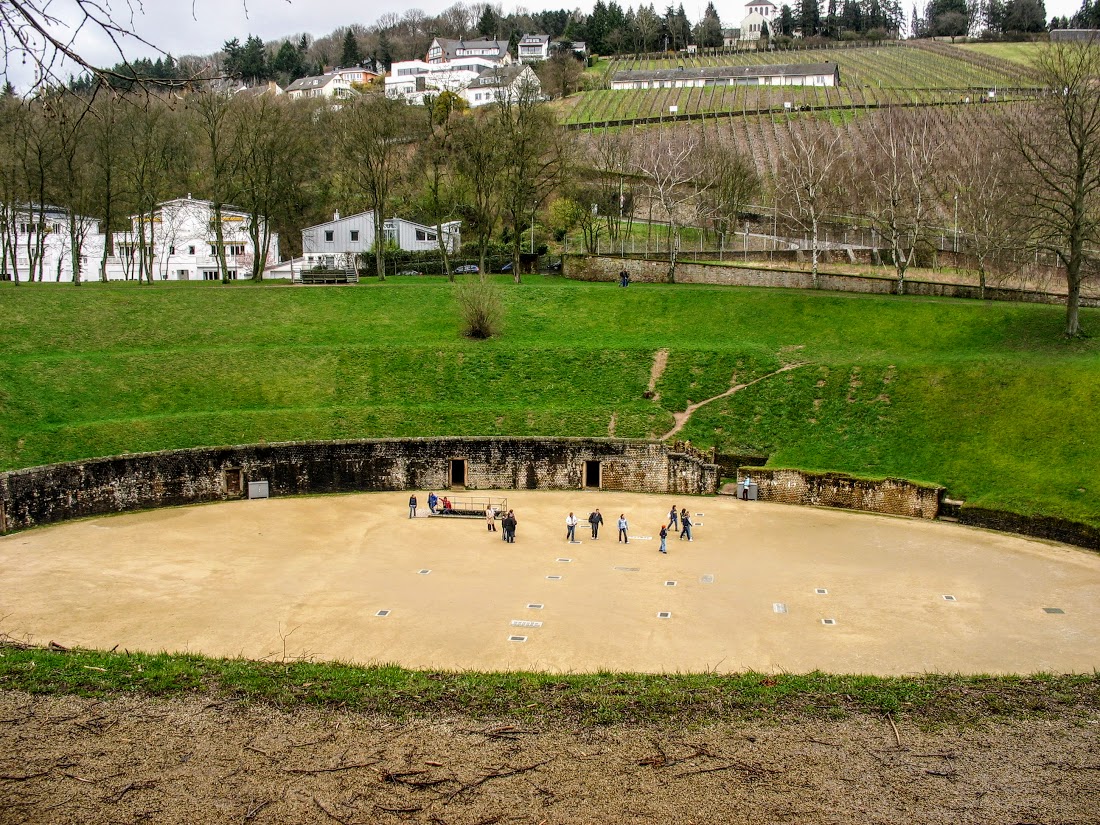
259	489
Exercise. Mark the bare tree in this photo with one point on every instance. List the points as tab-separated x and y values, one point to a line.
535	159
980	178
155	155
896	181
671	174
1058	146
729	182
373	135
75	179
13	195
276	159
215	122
612	154
807	183
479	162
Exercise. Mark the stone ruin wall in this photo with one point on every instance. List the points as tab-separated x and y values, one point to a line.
45	495
892	496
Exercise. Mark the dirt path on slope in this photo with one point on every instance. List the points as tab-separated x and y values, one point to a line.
682	418
68	759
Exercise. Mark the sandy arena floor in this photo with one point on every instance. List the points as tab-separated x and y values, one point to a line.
307	577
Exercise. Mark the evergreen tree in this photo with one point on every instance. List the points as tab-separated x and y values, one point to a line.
350	54
809	17
786	21
487	25
232	62
288	62
9	90
1027	16
253	60
709	32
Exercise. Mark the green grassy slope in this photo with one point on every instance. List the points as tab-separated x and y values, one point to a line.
984	398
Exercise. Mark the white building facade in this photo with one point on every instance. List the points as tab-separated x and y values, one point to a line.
334	244
180	244
448	66
503	83
335	85
811	74
36	243
759	12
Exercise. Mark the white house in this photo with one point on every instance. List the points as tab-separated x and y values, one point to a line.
449	65
181	241
413	80
759	12
180	244
333	244
810	74
326	85
502	83
533	47
443	50
36	244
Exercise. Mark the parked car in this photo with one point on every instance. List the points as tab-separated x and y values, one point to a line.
410	272
507	267
466	269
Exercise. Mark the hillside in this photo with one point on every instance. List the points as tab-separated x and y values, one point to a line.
899	73
986	399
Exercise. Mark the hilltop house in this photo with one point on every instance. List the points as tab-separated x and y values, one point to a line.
335	243
812	74
533	47
502	83
449	65
333	84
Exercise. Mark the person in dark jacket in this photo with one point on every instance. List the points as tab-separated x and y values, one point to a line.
509	525
595	519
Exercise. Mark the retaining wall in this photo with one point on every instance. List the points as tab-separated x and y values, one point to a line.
1043	527
593	268
893	496
44	495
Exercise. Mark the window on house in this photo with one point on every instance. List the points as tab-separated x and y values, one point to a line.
328	236
423	235
190	250
210	275
213	250
354	235
234	249
171	250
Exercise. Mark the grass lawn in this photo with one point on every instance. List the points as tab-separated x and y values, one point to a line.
568	699
1023	53
985	398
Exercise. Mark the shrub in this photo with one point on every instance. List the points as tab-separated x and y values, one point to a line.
481	307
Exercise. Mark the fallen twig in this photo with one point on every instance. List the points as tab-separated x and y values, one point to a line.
897	735
754	771
497	774
255	809
332	770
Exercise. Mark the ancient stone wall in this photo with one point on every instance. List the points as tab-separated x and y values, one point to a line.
892	495
43	495
592	268
1043	527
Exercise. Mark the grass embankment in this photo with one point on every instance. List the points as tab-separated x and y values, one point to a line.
599	698
984	398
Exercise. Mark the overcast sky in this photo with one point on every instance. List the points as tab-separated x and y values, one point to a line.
201	26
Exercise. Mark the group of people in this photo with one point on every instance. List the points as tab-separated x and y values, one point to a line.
679	522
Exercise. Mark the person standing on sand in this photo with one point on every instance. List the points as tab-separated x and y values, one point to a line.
595	519
672	519
623	528
571	527
685	523
509	525
433	501
412	506
664	537
490	518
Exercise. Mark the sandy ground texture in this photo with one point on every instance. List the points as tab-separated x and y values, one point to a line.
73	760
306	578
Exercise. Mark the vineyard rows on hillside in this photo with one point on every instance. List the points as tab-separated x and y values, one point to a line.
869	77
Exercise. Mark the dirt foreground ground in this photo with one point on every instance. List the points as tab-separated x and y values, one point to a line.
70	760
